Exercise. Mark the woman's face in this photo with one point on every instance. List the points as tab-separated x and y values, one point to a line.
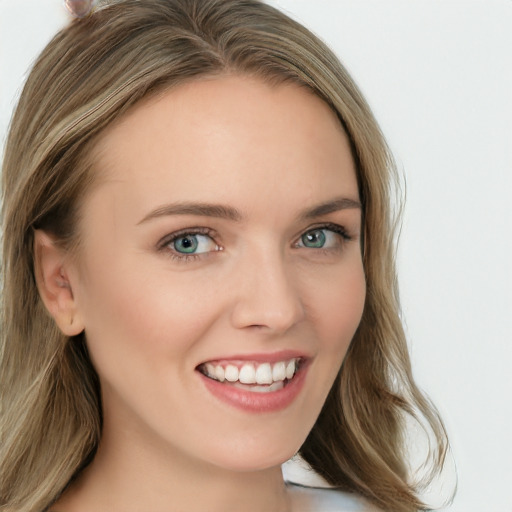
220	280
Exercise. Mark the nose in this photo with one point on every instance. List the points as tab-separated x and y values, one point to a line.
267	294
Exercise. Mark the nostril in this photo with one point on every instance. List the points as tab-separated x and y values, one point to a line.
277	315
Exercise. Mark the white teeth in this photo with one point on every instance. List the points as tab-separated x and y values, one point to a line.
260	389
264	374
262	377
210	370
247	374
231	373
279	371
290	369
219	373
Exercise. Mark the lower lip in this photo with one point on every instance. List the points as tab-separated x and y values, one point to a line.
257	402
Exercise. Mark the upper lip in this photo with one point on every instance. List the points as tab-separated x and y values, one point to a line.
260	357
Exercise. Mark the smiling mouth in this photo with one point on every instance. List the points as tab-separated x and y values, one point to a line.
251	376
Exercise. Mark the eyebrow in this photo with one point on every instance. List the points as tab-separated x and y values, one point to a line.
227	212
342	203
200	209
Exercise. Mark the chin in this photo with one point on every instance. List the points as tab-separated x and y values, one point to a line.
255	455
254	462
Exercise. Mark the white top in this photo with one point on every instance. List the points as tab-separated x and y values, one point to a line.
310	499
311	493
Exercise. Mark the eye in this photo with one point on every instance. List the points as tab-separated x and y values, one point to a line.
186	245
315	239
193	243
325	237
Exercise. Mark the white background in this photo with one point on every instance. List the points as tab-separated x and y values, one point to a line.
438	74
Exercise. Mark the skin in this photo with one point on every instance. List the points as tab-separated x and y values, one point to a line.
271	153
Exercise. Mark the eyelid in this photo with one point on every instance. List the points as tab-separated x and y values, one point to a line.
329	226
170	237
164	244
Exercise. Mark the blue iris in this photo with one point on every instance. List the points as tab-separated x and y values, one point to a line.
186	244
315	239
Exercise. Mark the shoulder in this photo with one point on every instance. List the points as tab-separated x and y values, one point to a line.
311	499
309	492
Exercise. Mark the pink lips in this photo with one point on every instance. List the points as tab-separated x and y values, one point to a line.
253	401
264	358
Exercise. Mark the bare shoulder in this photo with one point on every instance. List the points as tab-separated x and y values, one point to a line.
311	499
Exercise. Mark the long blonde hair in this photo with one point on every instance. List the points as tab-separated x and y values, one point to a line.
90	74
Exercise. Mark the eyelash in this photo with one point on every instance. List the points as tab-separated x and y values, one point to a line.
180	257
164	244
335	228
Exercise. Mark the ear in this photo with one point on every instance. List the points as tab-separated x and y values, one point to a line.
51	267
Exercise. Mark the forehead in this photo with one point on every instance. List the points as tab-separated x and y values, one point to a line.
225	136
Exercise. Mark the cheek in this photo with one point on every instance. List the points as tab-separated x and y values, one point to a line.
338	308
146	312
337	312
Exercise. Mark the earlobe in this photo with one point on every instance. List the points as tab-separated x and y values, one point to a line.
51	268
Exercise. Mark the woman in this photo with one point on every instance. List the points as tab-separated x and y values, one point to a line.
198	272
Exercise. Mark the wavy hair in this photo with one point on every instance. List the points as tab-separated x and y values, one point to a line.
89	75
